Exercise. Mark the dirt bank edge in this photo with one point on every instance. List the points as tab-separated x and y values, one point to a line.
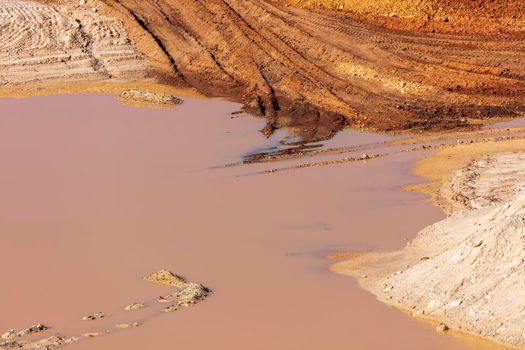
316	72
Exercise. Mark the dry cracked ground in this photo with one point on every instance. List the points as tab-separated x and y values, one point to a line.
380	65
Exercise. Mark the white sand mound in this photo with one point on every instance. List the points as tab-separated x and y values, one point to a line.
467	271
475	277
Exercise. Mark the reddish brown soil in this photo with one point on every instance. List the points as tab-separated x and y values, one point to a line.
315	71
447	16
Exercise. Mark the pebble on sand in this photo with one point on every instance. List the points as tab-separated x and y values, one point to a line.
93	317
134	306
442	328
127	325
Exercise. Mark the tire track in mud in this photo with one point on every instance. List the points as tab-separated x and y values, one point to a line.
431	49
316	71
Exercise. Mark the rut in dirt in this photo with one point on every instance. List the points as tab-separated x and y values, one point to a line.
317	71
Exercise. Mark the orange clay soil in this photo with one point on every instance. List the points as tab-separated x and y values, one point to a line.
449	16
315	71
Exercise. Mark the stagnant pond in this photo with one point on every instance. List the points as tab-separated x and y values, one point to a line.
96	194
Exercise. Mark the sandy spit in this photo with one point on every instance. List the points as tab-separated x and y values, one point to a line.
466	271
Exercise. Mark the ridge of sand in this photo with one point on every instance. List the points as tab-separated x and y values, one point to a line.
465	271
65	43
444	169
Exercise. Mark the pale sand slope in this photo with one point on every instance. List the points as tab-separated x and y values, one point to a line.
66	43
468	270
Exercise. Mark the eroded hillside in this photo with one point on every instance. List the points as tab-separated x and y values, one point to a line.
315	71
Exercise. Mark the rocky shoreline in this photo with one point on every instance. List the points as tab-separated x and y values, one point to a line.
187	294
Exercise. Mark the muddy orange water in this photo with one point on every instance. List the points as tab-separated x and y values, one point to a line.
95	195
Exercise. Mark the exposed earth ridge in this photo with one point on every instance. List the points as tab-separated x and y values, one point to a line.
316	71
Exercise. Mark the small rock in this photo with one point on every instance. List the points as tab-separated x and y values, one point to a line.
44	344
442	328
144	96
192	292
95	334
94	317
10	345
162	300
171	308
9	334
478	244
365	157
187	303
167	278
364	276
32	330
134	306
128	325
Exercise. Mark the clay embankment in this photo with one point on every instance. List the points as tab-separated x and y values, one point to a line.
467	270
309	70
